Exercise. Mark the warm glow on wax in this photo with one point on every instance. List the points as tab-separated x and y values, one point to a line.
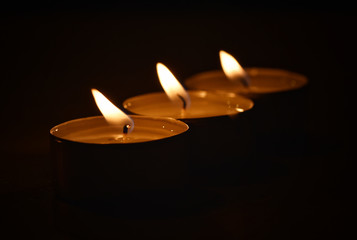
111	113
172	86
231	68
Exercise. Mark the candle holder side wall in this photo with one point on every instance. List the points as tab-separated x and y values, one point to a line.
217	144
280	122
105	171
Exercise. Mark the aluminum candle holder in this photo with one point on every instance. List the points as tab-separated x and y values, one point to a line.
93	168
216	136
214	139
279	118
281	109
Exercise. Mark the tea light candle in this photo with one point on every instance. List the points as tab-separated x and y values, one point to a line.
258	80
101	160
279	119
215	134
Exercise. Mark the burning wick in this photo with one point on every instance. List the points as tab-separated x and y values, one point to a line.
126	129
123	138
245	80
184	104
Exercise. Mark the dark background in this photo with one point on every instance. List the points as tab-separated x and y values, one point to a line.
53	53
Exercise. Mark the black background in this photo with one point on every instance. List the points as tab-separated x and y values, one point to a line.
53	53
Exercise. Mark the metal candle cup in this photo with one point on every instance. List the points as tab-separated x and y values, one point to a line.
93	164
215	134
279	117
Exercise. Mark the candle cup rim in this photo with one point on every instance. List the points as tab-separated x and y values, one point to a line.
196	92
301	79
183	124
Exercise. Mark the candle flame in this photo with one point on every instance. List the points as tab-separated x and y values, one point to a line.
172	87
111	113
232	69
